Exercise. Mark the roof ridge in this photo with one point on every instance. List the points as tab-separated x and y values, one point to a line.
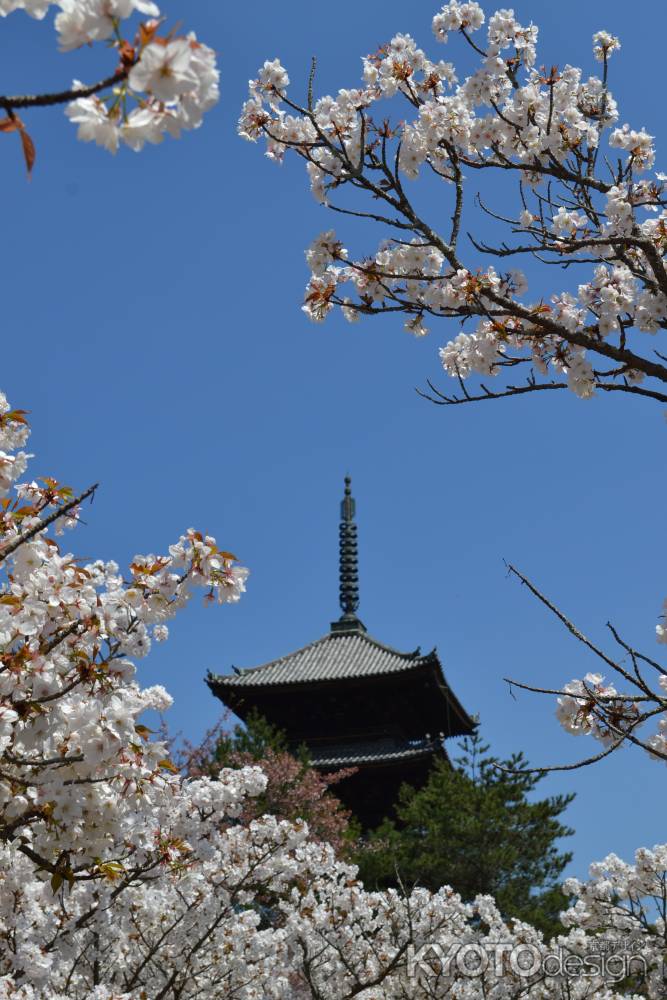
413	657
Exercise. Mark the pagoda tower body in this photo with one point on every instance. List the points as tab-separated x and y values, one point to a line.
353	701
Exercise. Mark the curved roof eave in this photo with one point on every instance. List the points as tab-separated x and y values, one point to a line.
333	657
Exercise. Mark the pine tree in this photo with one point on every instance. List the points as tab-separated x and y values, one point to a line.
476	826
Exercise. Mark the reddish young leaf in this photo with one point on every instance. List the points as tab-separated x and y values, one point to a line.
12	123
15	416
28	150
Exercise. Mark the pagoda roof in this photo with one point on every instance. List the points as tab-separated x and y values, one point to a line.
379	751
334	656
338	656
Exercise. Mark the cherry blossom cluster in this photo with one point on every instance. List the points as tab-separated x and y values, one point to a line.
163	85
591	707
625	903
172	84
260	913
79	778
547	127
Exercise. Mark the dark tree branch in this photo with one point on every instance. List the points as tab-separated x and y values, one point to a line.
441	399
12	546
563	767
511	390
12	103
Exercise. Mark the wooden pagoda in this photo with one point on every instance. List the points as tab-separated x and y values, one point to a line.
353	701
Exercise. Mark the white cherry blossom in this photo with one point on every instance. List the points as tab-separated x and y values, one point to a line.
161	85
164	70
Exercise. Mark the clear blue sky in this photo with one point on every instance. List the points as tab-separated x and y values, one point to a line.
152	327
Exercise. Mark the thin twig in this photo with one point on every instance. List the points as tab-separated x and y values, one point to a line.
570	626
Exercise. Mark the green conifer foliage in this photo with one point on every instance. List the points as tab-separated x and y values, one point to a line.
476	826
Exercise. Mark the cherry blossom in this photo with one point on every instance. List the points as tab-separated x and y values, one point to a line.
161	85
604	44
549	129
165	70
36	8
83	21
69	706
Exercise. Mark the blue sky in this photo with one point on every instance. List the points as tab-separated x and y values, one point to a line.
152	326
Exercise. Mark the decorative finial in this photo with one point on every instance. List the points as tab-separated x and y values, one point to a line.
349	575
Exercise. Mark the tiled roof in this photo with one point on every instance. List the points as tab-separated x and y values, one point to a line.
352	654
372	752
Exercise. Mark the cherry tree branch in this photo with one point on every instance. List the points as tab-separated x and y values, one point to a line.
442	399
14	102
569	625
25	536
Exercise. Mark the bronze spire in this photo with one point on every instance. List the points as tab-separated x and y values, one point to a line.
349	570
